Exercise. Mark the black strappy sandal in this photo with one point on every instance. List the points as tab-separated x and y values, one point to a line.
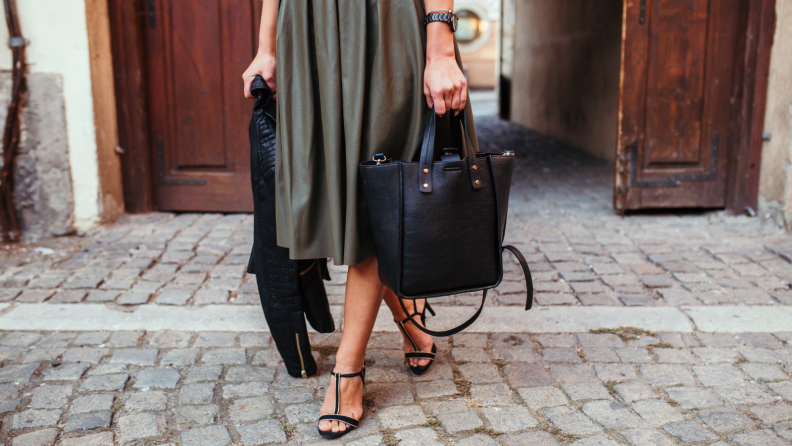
417	354
351	423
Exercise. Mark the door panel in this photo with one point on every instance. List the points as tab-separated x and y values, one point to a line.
196	52
677	101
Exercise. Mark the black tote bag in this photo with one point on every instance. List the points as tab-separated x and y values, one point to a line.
438	225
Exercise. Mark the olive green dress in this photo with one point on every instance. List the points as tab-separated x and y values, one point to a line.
350	84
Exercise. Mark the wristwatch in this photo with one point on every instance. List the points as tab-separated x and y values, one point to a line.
447	17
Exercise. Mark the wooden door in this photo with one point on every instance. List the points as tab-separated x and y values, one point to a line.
195	54
678	102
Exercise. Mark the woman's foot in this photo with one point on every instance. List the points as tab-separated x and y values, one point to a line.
351	403
421	339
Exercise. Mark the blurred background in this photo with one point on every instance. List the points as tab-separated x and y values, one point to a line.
134	106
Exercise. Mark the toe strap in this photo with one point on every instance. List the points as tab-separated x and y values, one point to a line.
422	355
348	420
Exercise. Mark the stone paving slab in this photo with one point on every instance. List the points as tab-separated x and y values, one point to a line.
492	320
123	388
250	318
740	319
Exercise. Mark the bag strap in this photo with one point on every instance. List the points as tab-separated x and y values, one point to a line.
526	273
469	322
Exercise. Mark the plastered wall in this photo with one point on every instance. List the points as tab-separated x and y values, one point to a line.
775	180
58	35
565	80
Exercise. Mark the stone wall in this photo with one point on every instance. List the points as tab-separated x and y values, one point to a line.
565	80
43	180
775	184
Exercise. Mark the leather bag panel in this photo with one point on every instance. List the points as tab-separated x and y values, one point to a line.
448	243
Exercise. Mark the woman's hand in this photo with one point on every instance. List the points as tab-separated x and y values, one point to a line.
445	85
263	65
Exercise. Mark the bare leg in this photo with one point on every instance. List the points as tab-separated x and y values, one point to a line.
423	340
362	300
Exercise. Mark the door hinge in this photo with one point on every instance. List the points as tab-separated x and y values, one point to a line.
641	12
152	14
161	170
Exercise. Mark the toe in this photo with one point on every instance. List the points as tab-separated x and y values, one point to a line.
335	426
324	425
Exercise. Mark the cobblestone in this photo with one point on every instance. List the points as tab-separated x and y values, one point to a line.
206	436
67	372
105	382
693	397
151	400
689	432
147	356
157	379
571	421
725	421
86	421
263	432
44	437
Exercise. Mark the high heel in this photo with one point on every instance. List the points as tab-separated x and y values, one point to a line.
417	354
351	423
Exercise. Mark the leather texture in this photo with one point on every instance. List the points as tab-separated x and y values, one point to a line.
290	290
439	225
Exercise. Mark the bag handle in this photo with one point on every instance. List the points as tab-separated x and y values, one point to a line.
427	155
469	322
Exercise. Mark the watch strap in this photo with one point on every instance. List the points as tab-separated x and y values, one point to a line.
436	17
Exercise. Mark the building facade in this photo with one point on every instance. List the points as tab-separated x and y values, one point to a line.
108	127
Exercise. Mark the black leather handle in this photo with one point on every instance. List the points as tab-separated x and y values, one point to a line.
427	155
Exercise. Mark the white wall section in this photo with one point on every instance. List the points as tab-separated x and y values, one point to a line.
58	38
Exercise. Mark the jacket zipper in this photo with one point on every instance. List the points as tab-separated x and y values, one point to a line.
299	352
305	271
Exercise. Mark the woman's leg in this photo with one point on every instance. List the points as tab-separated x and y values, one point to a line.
423	340
362	300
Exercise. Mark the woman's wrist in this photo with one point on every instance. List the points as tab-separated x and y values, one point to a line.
265	51
439	41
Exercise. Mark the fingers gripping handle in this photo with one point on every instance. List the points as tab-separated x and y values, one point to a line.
260	88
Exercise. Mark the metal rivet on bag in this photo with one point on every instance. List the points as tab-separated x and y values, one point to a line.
426	185
477	181
475	167
426	170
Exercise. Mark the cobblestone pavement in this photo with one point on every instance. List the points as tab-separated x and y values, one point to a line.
581	253
215	388
212	389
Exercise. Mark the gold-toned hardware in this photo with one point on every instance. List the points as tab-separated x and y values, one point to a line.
426	170
302	273
426	185
475	167
478	182
299	353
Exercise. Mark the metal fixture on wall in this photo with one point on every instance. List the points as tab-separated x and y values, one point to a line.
12	130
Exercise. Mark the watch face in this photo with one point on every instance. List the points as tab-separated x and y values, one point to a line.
454	22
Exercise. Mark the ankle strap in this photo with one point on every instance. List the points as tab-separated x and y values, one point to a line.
361	374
